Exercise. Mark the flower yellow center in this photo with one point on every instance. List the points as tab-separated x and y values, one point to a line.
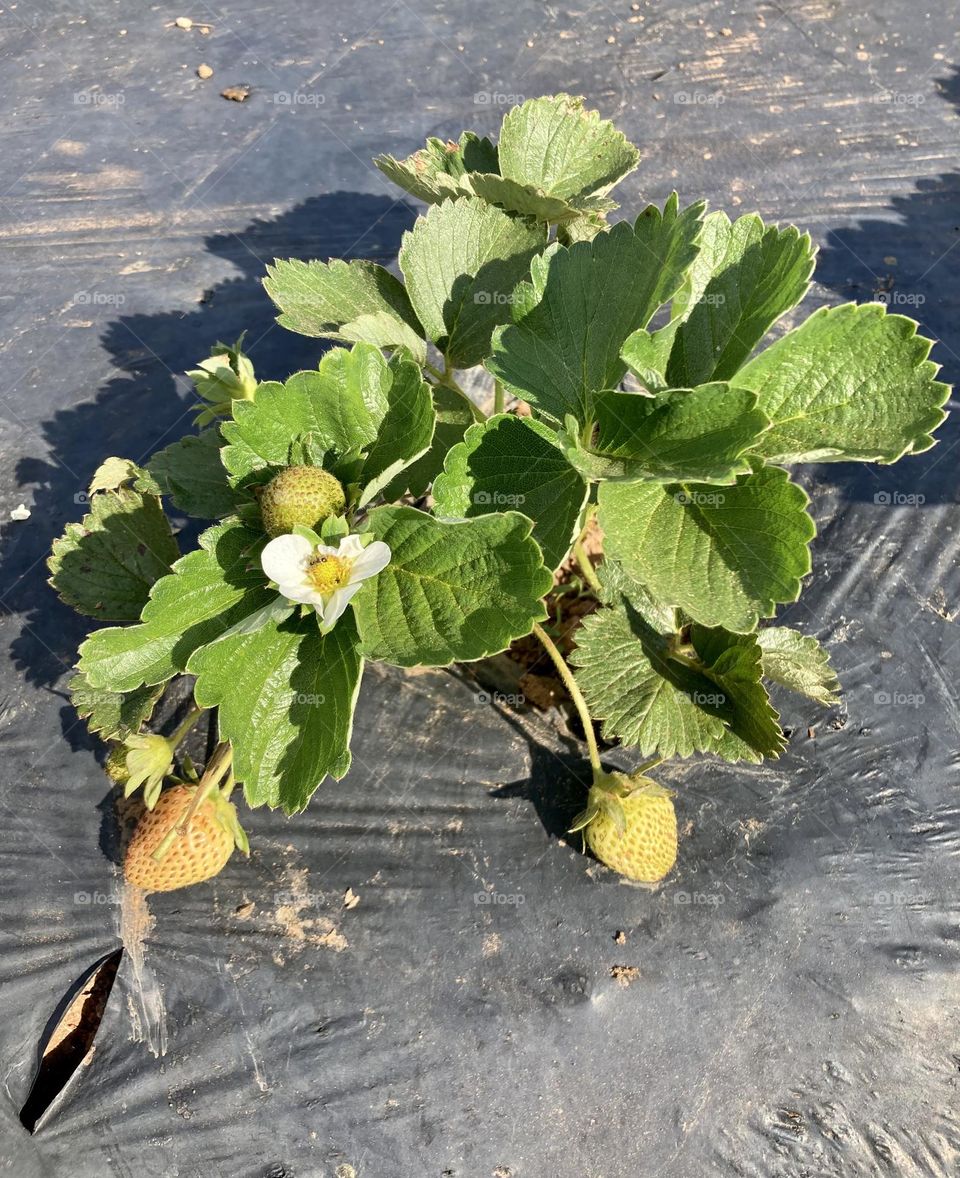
327	573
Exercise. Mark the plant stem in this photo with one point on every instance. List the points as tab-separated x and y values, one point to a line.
191	719
219	765
586	567
498	398
447	379
575	694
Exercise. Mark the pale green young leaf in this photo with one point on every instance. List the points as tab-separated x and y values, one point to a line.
757	275
647	353
727	556
340	407
206	593
557	146
799	662
514	463
191	473
453	590
590	298
105	565
113	715
698	435
461	263
112	474
851	383
356	301
286	696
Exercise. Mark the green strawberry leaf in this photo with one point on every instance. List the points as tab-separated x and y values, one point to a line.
191	473
734	663
514	463
340	407
405	433
435	173
647	353
113	715
727	556
665	701
461	263
105	565
554	145
285	695
453	591
798	662
757	275
684	435
355	301
565	347
852	382
208	591
455	414
526	200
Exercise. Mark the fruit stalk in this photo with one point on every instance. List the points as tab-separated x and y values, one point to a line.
219	765
575	694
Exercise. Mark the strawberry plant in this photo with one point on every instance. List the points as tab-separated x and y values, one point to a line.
367	509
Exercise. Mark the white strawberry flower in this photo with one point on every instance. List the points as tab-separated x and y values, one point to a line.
320	575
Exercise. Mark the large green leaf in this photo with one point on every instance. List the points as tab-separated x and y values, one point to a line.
698	435
565	347
757	274
462	262
556	146
112	714
852	382
796	661
104	567
514	463
455	414
436	172
348	301
286	696
453	591
341	406
208	591
727	556
191	473
673	702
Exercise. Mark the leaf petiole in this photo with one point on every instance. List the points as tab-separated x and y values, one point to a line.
218	767
576	695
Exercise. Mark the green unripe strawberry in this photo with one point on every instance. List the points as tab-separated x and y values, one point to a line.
631	826
304	495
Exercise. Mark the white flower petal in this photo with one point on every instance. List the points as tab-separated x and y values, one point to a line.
350	547
284	558
302	592
335	604
374	559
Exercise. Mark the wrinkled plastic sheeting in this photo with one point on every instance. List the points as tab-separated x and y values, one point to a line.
789	1003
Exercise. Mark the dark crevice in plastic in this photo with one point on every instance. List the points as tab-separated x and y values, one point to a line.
68	1042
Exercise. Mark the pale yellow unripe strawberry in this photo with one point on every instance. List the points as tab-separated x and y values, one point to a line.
631	826
300	495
